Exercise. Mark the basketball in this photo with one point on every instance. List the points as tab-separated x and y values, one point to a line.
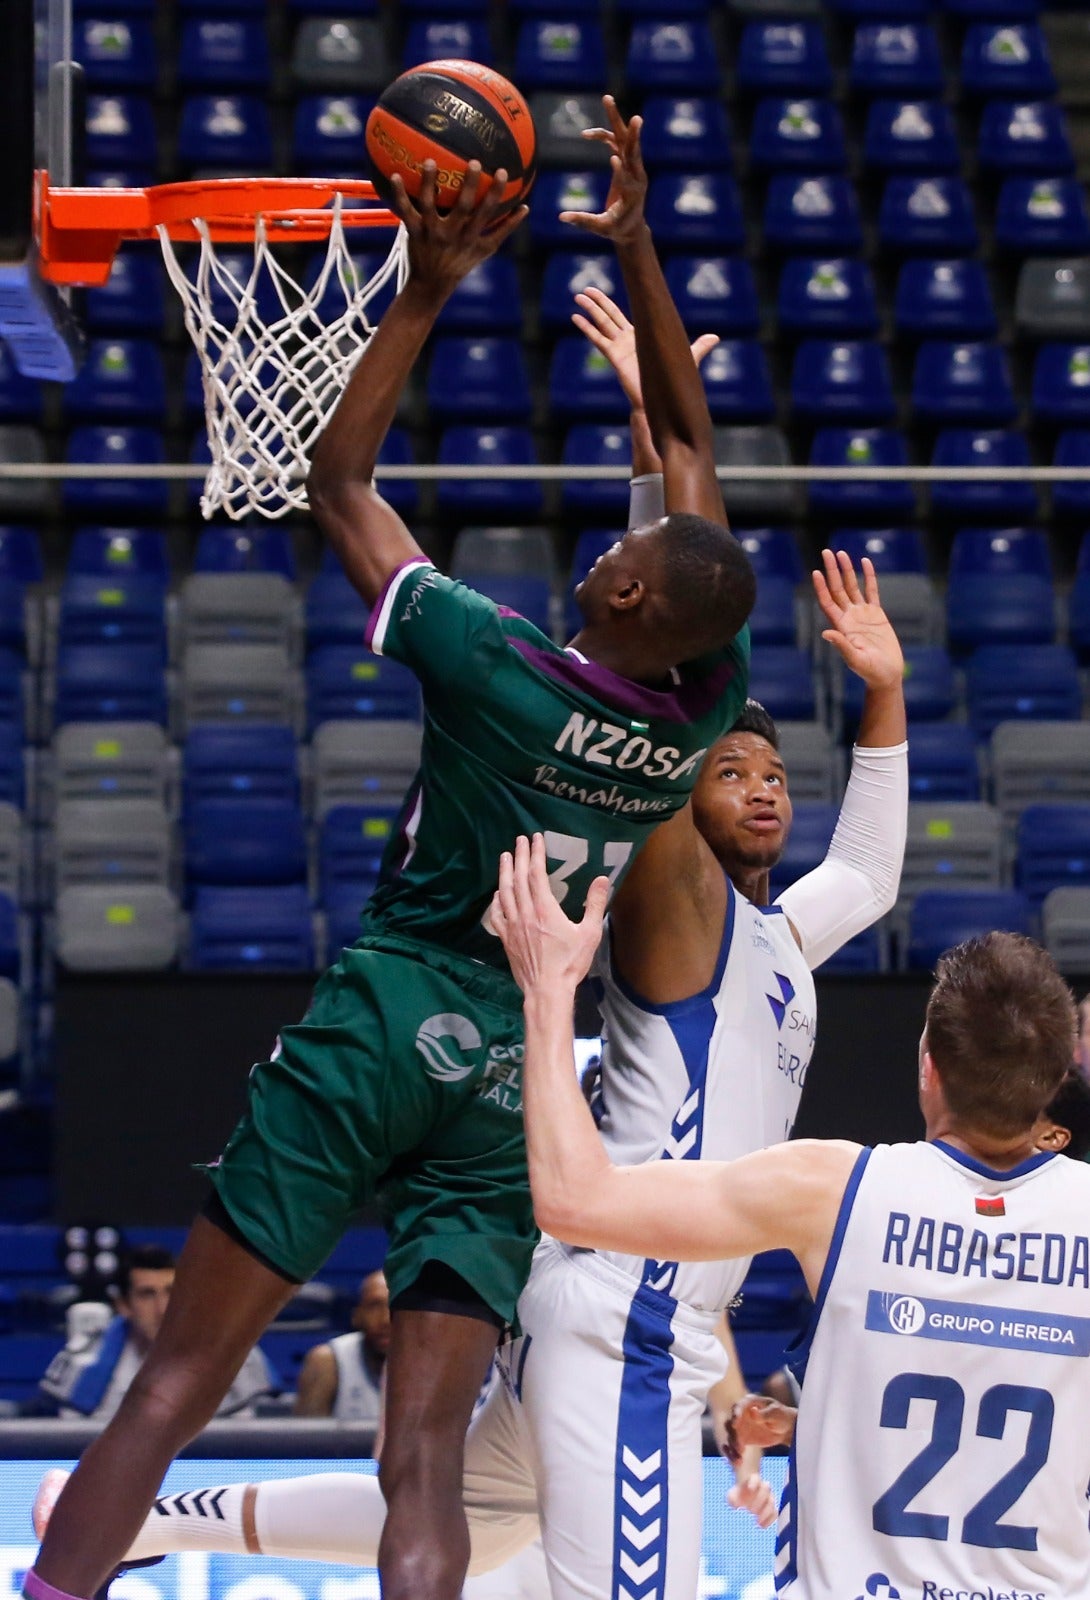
452	112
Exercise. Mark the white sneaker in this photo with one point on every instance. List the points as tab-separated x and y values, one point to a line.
49	1492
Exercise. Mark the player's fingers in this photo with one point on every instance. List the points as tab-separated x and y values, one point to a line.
540	889
427	186
500	230
704	346
466	203
599	340
834	577
403	206
609	309
505	891
524	900
584	219
870	583
822	595
495	915
595	906
596	313
848	577
493	203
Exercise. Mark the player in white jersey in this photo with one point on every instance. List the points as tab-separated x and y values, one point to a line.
941	1450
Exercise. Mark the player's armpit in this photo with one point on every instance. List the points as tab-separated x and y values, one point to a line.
667	916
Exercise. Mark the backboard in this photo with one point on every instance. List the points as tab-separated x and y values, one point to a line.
40	111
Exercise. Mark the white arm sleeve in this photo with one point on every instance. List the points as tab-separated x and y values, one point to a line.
646	499
858	881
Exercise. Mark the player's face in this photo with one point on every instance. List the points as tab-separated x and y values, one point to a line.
146	1302
740	802
372	1314
633	556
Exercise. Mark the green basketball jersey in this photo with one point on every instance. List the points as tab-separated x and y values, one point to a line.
521	736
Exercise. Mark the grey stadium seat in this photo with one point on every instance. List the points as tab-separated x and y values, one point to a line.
116	928
1068	36
1065	925
560	120
108	761
959	843
1040	761
753	498
812	761
240	682
505	553
1053	299
14	863
240	608
341	53
355	762
111	842
912	604
21	444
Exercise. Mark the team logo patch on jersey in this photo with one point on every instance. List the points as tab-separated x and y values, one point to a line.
443	1040
878	1587
990	1205
787	994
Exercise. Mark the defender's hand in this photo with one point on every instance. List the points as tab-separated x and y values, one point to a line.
604	323
622	220
859	629
443	249
545	948
759	1422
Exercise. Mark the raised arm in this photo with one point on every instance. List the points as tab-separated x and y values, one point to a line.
677	408
369	537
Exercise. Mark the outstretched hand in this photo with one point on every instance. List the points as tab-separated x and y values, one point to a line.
546	949
758	1422
859	629
443	249
622	218
602	321
754	1494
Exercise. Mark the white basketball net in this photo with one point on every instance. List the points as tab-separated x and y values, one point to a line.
269	385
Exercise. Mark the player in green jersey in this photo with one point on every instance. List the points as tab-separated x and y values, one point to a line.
403	1081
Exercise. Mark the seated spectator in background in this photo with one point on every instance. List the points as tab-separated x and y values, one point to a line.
343	1379
91	1374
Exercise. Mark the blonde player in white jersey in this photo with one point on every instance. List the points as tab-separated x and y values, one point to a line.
941	1450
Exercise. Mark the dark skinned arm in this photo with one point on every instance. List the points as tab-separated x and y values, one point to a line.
369	537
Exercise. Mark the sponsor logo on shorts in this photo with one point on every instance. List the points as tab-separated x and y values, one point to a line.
443	1041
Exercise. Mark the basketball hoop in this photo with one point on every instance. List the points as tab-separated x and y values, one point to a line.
275	356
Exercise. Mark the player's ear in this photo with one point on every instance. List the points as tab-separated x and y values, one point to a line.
628	594
1053	1138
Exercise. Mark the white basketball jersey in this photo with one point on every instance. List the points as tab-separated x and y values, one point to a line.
359	1396
943	1440
709	1078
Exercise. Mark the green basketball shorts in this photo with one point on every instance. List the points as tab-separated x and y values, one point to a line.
402	1085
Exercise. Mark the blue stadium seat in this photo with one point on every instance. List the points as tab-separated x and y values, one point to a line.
131	302
1029	136
635	8
327	133
115	446
896	58
446	39
232	548
930	689
348	681
916	136
1078	619
1042	217
487	300
1061	385
555	192
942	762
114	608
21	553
993	501
237	8
12	688
262	928
696	211
478	380
13	616
350	847
567	53
797	136
335	612
1007	682
872	502
583	387
244	840
592	444
774	618
927	216
805	215
1007	60
223	53
738	383
807	843
484	497
691	133
529	594
1053	849
886	10
774	554
20	396
783	57
782	679
571	272
226	760
863	953
942	918
834	298
12	770
239	264
226	131
944	300
962	383
999	608
120	132
714	293
331	303
118	53
121	380
427	8
676	57
1014	552
589	545
396	451
846	381
110	683
992	10
342	907
1072	499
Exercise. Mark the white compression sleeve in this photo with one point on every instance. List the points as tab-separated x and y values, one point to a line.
858	881
646	499
199	1519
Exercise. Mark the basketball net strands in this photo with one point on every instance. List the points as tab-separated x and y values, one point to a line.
275	356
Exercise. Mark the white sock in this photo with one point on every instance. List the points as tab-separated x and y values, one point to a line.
326	1516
